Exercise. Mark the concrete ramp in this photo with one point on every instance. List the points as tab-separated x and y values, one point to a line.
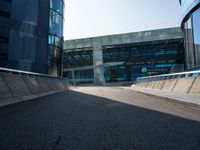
16	84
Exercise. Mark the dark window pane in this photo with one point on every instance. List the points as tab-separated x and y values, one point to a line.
57	5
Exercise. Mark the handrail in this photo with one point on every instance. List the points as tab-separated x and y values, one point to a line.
168	76
26	72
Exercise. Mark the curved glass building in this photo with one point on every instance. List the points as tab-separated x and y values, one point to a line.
31	35
191	27
4	28
55	37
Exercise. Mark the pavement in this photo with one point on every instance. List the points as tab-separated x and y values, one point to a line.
97	118
189	100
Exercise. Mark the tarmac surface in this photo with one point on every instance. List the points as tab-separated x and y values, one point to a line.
97	118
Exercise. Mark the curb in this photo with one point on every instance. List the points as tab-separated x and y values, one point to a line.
171	100
11	101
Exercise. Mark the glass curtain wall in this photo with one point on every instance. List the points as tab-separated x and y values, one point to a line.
55	38
142	59
192	40
4	30
189	48
196	31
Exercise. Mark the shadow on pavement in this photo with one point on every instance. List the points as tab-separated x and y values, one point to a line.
77	121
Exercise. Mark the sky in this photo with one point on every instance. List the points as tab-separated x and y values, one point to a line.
89	18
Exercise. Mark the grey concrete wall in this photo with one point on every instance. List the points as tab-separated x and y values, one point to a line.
169	85
43	84
158	84
195	89
182	85
18	86
33	85
4	90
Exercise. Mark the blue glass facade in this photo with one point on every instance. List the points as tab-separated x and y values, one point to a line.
55	37
4	28
142	59
191	27
31	35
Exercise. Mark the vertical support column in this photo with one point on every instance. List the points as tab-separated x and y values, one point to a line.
98	60
73	77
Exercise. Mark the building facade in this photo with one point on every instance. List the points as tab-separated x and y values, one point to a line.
191	28
31	35
123	57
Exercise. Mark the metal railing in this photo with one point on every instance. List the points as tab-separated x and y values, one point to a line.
23	73
167	77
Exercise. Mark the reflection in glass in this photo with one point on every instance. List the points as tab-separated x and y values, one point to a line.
54	62
57	5
196	31
55	38
189	48
55	23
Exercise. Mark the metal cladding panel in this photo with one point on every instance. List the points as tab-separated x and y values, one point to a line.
135	37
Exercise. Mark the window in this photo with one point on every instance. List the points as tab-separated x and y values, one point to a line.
189	48
196	31
55	23
57	5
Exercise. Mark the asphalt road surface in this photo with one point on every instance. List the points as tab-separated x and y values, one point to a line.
99	119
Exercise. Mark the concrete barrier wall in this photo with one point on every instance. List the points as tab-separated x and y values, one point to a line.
4	90
150	85
43	84
17	85
158	84
55	85
183	85
195	89
33	85
169	85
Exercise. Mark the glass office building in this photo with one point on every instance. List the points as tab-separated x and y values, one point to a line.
55	38
191	28
31	35
136	54
142	59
